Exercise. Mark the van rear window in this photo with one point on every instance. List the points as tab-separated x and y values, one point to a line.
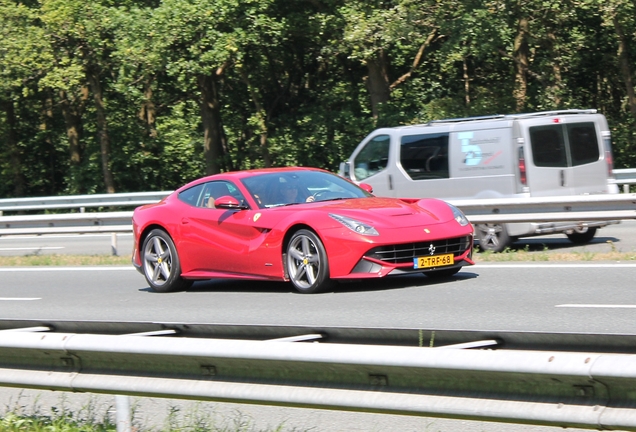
425	156
583	143
564	145
548	146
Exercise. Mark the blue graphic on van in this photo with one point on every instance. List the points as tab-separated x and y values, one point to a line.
472	152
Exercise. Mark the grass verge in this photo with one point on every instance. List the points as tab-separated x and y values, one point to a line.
64	260
96	416
546	254
509	255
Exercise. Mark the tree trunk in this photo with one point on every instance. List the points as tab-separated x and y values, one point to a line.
72	113
148	112
556	72
13	150
46	129
102	130
466	77
378	81
262	120
212	130
623	59
417	60
520	55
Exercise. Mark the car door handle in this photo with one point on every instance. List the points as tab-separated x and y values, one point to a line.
185	221
562	178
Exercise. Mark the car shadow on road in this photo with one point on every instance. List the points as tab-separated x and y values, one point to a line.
540	244
398	282
366	285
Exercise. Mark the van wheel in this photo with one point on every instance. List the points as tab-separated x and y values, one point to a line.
492	237
582	235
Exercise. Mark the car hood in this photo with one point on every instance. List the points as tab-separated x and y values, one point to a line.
379	212
392	211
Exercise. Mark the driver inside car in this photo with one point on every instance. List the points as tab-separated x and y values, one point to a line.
289	192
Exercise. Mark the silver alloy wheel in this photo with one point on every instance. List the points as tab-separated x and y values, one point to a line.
303	261
157	261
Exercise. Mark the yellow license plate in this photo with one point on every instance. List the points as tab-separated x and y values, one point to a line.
433	261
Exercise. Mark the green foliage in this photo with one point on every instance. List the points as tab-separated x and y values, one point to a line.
291	80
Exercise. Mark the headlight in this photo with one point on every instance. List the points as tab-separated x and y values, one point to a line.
355	226
458	215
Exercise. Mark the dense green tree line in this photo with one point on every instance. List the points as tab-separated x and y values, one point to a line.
134	95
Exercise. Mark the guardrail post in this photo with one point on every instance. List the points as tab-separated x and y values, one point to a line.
122	408
113	243
626	188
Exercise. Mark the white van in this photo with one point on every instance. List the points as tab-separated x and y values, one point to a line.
552	153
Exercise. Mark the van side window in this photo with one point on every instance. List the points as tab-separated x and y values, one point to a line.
583	143
548	147
373	157
425	156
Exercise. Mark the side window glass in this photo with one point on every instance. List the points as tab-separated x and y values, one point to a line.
548	148
373	158
192	195
425	156
583	143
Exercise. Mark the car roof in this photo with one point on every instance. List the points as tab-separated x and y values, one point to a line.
239	175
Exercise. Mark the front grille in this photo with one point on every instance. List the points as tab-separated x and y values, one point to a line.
404	253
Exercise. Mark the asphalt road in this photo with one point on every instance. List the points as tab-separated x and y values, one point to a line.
547	297
620	236
570	297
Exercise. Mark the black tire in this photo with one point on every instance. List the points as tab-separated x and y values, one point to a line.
160	263
440	274
306	263
492	237
582	235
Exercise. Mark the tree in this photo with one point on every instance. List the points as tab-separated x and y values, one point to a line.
375	30
81	34
24	55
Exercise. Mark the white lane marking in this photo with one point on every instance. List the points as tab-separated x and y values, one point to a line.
600	306
19	298
53	269
46	236
32	248
605	265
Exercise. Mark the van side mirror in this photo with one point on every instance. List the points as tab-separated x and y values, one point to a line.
345	170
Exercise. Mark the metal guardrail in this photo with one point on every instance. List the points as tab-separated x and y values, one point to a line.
622	176
605	207
132	199
625	177
557	388
549	209
79	223
504	210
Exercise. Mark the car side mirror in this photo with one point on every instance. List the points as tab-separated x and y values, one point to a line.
367	187
229	203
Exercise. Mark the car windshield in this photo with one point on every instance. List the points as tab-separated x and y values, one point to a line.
295	187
